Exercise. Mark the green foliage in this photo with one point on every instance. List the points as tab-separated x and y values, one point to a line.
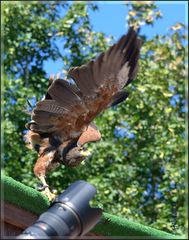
139	175
141	13
28	31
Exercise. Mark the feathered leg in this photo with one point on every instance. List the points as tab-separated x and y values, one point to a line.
40	169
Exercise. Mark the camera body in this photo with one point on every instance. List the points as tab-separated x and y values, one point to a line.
69	215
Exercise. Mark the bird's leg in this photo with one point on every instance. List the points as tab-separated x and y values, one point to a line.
45	189
40	169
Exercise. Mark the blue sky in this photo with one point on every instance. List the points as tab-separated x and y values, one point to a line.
111	19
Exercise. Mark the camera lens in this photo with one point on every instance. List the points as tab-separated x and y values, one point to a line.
68	215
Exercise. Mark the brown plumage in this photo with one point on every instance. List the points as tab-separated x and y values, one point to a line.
62	123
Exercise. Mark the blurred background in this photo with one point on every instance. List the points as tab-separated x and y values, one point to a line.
139	167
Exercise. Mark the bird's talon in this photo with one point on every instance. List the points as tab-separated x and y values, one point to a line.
50	194
54	191
42	187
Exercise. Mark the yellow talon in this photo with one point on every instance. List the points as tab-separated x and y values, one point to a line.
51	196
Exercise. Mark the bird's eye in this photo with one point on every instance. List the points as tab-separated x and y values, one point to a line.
82	149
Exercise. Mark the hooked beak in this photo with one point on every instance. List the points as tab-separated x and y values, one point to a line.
85	153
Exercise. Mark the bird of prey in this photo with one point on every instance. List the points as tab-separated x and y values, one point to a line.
62	123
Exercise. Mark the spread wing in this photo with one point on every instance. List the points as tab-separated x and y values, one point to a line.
70	108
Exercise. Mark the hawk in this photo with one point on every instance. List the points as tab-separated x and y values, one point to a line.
62	123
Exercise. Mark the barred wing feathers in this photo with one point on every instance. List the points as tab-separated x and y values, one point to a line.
69	108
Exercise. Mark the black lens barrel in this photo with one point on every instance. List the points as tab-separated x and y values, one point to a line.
69	215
